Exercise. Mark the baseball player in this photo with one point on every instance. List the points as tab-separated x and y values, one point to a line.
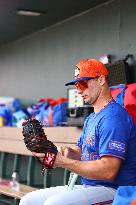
104	157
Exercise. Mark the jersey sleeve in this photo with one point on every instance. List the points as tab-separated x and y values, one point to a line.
113	134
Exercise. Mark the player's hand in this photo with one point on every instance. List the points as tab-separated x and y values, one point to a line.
72	153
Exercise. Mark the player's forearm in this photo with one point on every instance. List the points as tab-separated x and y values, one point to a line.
90	169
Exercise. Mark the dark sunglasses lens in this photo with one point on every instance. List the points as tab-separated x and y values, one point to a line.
81	85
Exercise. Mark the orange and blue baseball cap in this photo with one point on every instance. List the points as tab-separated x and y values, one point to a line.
88	69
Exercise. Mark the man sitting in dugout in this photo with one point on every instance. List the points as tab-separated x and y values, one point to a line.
104	156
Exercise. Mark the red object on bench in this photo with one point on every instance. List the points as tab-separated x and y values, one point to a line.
5	182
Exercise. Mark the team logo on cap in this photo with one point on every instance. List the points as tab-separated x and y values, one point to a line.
77	70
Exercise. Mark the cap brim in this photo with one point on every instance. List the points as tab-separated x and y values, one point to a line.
72	82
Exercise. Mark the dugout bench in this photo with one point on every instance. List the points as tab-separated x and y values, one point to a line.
15	156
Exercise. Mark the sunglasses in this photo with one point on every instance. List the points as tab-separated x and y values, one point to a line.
82	85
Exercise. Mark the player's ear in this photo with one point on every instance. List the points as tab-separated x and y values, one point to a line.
102	80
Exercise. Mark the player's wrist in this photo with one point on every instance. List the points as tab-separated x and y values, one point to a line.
49	159
59	161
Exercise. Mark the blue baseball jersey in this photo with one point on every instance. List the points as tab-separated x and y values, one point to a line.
110	132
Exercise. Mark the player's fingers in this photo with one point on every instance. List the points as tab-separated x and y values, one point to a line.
67	151
61	150
38	154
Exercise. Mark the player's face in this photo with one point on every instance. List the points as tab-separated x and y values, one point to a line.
90	90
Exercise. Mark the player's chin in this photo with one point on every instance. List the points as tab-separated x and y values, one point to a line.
86	100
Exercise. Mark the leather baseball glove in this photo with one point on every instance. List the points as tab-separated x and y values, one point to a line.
36	141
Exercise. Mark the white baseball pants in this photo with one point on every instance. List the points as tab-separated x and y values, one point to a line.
80	195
